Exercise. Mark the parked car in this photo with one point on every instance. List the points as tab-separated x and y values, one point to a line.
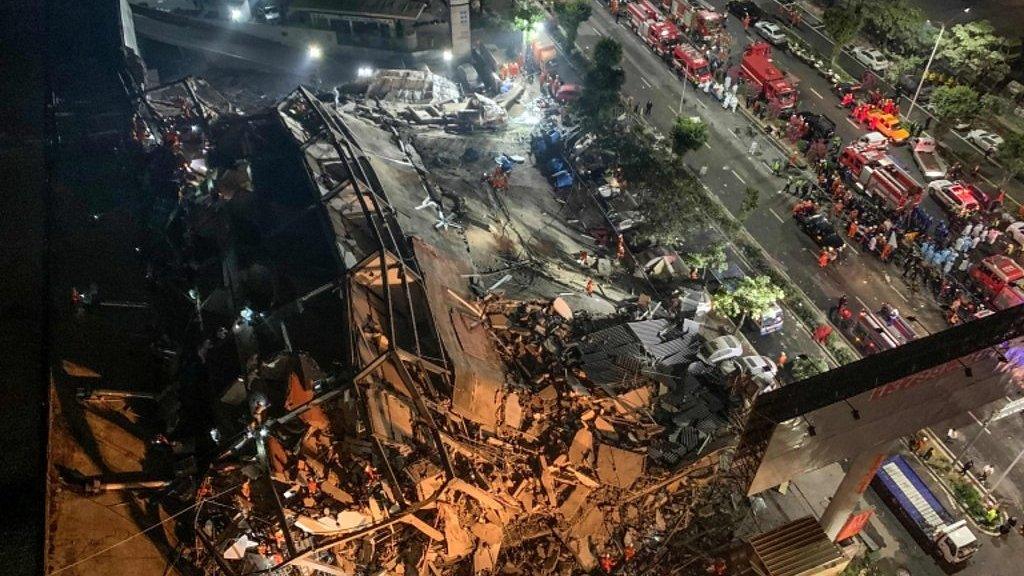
820	127
985	140
743	8
568	93
908	85
760	368
958	197
871	58
771	32
820	230
721	348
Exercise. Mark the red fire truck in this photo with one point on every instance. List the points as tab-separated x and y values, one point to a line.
642	12
701	22
660	36
768	80
691	63
998	277
875	332
879	176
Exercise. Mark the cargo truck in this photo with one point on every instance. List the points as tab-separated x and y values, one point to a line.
948	540
928	159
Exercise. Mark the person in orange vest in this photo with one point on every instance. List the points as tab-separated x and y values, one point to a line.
823	258
620	248
584	258
821	333
628	553
782	359
746	22
590	287
607	564
847	100
851	230
717	567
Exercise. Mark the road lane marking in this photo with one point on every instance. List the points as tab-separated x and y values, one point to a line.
815	92
979	422
900	294
777	217
701	102
706	144
852	123
644	80
738	177
599	33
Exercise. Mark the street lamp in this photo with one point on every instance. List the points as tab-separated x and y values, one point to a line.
920	84
236	14
364	72
447	55
315	52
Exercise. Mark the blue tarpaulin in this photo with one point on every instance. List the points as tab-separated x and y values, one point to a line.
563	179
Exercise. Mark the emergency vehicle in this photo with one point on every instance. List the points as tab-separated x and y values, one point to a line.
873	332
691	64
998	278
878	175
660	36
642	12
703	23
958	197
769	81
886	124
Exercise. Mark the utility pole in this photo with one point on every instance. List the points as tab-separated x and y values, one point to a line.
1007	471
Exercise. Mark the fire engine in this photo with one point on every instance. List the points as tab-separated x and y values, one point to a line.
691	63
998	277
880	176
878	331
701	22
642	12
770	81
660	36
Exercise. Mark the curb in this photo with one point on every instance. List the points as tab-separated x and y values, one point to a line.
986	495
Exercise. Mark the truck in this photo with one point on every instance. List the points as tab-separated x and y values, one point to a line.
660	36
935	529
700	22
998	279
769	81
932	166
873	332
691	64
958	197
642	12
879	176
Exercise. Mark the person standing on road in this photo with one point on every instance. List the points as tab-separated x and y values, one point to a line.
966	467
823	258
821	333
986	471
782	360
648	108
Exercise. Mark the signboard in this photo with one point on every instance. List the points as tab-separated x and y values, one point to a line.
842	413
854	524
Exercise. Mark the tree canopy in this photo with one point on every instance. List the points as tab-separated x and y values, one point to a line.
751	200
1011	155
712	258
976	53
753	296
598	104
806	366
572	13
842	22
896	25
952	104
525	14
688	133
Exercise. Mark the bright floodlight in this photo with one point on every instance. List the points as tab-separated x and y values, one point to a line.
364	72
538	26
315	52
447	55
236	15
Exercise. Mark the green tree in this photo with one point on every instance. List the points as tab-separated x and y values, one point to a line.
896	25
842	22
1011	156
976	53
806	366
671	211
994	105
525	14
752	297
901	64
572	13
712	259
953	104
751	200
688	133
598	104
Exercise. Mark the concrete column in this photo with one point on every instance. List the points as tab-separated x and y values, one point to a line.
458	20
857	479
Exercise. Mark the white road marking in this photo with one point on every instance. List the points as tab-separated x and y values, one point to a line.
815	92
779	218
738	177
644	80
979	422
854	124
599	33
701	103
900	294
706	144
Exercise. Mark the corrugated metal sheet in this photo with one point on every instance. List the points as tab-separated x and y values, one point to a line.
799	548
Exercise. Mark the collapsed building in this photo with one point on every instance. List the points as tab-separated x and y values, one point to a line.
373	413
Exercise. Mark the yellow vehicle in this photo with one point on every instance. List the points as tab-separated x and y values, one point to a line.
888	125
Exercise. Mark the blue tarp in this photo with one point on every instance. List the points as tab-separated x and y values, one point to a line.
563	179
919	485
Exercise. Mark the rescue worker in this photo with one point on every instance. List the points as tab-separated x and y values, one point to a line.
851	230
823	258
848	100
590	287
746	21
821	333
